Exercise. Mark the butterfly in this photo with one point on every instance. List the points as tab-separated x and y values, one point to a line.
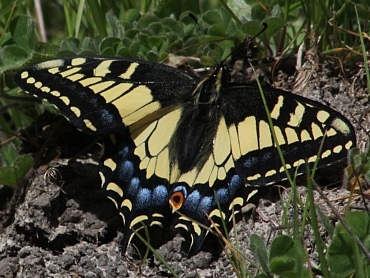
185	152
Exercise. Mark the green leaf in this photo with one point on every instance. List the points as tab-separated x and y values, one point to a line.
227	45
217	30
252	28
126	42
22	29
174	25
258	247
212	17
192	45
257	12
123	51
283	266
70	44
261	276
156	41
143	40
343	256
8	154
340	255
65	53
11	175
6	39
151	56
7	176
156	28
274	25
175	7
354	151
286	258
109	43
22	165
12	56
108	51
231	29
86	45
145	21
131	15
131	33
281	246
360	223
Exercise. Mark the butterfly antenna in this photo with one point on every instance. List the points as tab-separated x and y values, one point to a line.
219	65
265	25
195	19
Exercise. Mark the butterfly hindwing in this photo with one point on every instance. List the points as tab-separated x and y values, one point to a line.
201	207
141	201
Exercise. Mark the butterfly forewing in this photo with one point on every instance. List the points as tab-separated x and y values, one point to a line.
103	95
181	151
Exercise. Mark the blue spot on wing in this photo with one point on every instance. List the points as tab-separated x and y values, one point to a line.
160	195
267	156
250	162
235	183
126	170
106	116
133	187
205	205
192	200
143	198
222	196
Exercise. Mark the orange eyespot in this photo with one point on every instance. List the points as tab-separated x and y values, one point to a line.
176	200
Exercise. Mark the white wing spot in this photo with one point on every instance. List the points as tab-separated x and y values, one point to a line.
337	149
131	69
296	117
55	93
30	80
78	61
89	125
265	138
114	187
276	110
45	89
24	74
76	111
322	116
341	126
38	85
66	100
110	164
103	68
348	145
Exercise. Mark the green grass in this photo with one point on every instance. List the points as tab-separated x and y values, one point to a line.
155	30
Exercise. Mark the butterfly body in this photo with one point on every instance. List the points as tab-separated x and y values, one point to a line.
180	151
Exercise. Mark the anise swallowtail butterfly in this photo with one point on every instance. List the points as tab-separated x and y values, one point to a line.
175	144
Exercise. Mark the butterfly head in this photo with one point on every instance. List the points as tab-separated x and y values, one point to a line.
207	91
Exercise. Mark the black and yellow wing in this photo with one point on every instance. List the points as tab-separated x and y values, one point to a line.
173	144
